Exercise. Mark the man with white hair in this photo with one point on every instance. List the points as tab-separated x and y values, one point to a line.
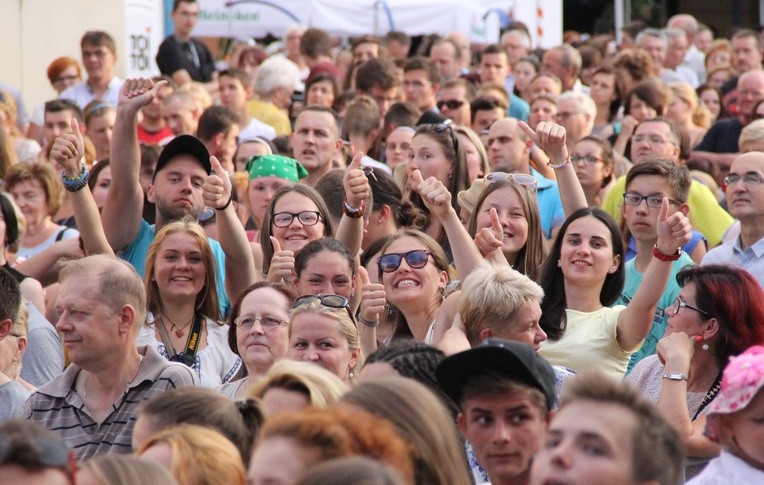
677	47
693	58
576	112
517	43
655	43
277	78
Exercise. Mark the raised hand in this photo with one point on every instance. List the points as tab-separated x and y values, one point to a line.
216	190
138	92
373	298
550	137
489	239
282	264
68	151
674	231
434	194
356	184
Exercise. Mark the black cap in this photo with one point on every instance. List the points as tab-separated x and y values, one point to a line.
184	145
515	360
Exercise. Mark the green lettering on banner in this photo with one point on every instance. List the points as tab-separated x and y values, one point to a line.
218	15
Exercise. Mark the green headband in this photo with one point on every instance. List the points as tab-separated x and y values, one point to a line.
277	166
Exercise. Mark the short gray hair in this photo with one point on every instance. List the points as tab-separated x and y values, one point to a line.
276	72
583	102
650	32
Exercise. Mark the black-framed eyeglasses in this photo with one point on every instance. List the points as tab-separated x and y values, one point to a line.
306	218
520	178
587	159
248	321
446	127
678	303
450	104
653	201
651	139
416	259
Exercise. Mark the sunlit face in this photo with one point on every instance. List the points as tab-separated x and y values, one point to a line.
295	236
750	90
321	93
679	110
232	93
474	162
514	222
327	273
545	85
102	185
657	141
586	255
314	140
588	443
656	48
427	156
418	89
640	110
505	430
100	131
260	192
542	110
177	188
397	146
643	220
745	54
454	95
411	285
591	175
686	320
30	196
56	123
178	118
179	267
746	200
524	72
526	328
718	58
317	338
494	68
99	61
260	346
279	461
506	146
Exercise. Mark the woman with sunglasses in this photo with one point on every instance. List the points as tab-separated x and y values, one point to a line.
298	215
717	315
323	331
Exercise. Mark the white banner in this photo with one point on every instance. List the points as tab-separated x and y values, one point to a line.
143	34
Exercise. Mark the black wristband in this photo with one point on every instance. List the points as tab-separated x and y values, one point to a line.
227	203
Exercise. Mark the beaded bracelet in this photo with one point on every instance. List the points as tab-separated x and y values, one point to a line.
559	164
368	323
78	183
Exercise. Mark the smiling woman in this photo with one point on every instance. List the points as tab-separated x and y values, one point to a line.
182	298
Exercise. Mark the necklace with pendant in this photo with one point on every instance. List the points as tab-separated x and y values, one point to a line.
179	331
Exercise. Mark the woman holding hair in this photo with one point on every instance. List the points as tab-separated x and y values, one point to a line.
716	316
258	332
583	275
323	331
734	422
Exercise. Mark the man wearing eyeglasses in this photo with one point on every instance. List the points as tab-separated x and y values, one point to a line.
454	101
12	393
576	113
744	189
99	56
660	138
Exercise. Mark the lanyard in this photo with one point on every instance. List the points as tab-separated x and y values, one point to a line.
192	343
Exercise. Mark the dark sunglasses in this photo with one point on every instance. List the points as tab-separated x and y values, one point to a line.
416	259
329	301
446	127
450	104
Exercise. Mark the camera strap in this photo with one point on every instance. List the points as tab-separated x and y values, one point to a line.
192	342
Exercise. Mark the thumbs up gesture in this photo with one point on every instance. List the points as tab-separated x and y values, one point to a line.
550	137
489	239
434	194
68	151
282	264
356	184
216	189
373	297
674	231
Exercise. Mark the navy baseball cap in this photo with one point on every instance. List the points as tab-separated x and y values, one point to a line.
184	145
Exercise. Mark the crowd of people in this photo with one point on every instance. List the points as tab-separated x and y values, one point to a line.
390	262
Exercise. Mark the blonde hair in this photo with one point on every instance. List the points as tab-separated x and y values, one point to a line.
701	116
753	132
494	297
45	175
127	470
199	455
321	387
198	93
207	299
347	328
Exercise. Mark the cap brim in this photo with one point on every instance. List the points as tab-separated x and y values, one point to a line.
184	145
508	360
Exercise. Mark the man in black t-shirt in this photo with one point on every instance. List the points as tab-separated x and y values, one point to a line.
183	58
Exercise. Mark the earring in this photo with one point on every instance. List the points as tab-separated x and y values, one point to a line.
704	346
559	263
